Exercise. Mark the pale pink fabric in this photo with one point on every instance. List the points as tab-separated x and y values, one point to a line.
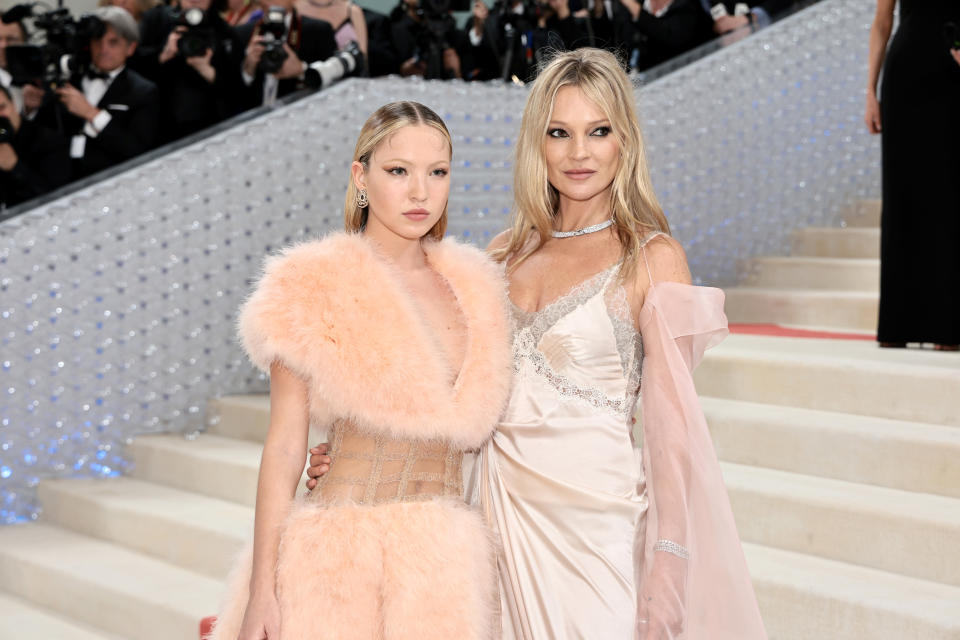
576	554
708	596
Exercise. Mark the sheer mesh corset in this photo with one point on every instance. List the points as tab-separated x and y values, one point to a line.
375	468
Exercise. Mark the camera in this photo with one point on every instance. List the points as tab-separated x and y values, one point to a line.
199	35
346	62
6	130
65	52
273	28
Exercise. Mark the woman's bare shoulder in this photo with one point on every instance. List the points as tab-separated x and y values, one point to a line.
500	241
664	260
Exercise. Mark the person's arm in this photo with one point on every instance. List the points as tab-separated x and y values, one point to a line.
359	26
661	597
137	134
879	36
281	465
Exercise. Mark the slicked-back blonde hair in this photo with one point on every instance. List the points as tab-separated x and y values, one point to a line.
634	206
384	122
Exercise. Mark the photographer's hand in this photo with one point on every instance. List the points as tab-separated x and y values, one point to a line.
202	65
77	103
170	48
292	66
726	24
252	58
451	62
413	67
32	98
8	157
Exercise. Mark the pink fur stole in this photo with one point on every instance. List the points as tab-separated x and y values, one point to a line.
335	312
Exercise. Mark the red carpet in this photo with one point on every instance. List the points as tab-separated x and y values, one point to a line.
786	332
206	626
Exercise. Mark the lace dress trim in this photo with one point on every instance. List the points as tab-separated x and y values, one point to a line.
530	327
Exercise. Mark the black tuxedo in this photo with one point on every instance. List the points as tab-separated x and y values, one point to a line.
133	104
43	164
312	40
188	102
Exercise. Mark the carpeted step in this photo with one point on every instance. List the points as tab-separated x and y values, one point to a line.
803	307
814	273
832	242
849	376
212	465
105	585
805	597
912	456
185	529
908	533
20	619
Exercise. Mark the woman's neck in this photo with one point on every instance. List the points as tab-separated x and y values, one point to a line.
577	214
405	253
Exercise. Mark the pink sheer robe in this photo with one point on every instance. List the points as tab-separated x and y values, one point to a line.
587	531
708	595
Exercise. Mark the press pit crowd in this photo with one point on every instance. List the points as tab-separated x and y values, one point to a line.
142	88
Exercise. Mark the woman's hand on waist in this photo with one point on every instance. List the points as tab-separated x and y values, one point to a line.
319	464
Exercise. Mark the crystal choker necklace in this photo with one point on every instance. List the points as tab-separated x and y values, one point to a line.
600	226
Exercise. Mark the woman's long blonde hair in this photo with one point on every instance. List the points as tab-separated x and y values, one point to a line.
634	206
384	122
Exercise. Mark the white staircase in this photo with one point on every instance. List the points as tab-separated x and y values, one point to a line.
831	280
842	462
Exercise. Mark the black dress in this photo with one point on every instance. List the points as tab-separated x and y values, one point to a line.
920	222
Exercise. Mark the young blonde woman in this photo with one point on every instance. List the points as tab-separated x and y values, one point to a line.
598	540
398	342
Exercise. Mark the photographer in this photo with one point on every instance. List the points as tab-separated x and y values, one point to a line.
426	39
33	160
27	98
109	112
193	55
278	49
668	28
516	32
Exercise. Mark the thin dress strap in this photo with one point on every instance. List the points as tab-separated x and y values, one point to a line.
643	249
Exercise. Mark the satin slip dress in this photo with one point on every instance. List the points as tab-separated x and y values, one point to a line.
568	530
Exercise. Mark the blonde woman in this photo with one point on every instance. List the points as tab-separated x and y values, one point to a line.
600	539
616	547
398	342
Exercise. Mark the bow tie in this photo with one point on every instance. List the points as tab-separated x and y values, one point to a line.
93	74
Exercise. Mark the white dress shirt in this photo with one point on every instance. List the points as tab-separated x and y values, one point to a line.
93	90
